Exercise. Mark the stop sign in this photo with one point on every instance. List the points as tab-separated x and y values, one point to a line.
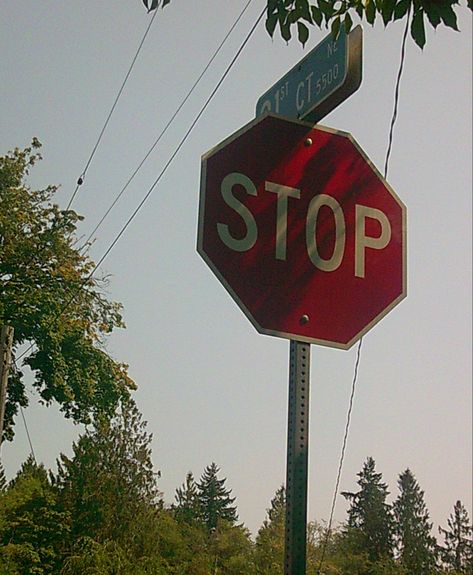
302	230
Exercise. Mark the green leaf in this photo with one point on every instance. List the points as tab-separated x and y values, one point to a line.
370	11
433	14
387	10
302	32
302	7
359	8
448	16
153	4
336	27
270	24
286	31
418	28
316	15
401	9
348	23
165	3
327	9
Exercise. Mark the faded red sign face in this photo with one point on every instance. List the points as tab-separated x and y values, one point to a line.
302	231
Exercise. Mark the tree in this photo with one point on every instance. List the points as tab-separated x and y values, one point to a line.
340	14
457	551
109	484
33	525
369	516
215	501
415	544
187	507
269	547
49	297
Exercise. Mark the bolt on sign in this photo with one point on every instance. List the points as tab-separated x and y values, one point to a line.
302	230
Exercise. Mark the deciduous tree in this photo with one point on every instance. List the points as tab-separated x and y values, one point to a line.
54	304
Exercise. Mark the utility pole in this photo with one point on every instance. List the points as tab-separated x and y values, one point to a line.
6	343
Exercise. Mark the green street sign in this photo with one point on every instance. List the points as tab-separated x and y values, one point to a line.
327	76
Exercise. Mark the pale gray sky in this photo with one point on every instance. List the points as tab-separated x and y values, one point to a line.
211	388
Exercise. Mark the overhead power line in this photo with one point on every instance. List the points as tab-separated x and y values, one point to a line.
81	178
358	353
168	124
161	174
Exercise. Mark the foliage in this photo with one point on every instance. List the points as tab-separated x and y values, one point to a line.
215	501
187	507
370	519
269	547
109	481
457	551
101	514
33	525
416	546
341	15
48	296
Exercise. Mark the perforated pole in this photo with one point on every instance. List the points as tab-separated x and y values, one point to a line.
297	459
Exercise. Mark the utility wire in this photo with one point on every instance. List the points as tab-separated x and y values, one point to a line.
28	434
80	181
342	455
161	174
358	353
170	121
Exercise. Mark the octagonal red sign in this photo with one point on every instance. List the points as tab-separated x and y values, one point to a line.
302	230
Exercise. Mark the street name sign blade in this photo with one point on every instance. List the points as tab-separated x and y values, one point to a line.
327	76
302	230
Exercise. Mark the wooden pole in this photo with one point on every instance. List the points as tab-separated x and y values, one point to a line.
6	343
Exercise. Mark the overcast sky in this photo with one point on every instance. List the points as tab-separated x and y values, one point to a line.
210	387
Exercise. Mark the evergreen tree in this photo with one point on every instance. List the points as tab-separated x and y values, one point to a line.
415	544
269	548
457	551
369	516
215	501
109	482
187	506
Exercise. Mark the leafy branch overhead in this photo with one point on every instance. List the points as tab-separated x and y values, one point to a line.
53	303
343	14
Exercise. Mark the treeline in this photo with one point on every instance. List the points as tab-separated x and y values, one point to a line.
101	512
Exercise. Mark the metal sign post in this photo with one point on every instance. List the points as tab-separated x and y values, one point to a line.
297	458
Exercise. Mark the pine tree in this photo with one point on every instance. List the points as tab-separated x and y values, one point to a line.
415	544
110	479
215	501
187	507
457	551
269	548
370	517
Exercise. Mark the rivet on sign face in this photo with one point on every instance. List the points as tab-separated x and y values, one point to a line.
304	319
308	142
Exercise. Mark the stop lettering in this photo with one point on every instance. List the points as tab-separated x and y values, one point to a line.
302	231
